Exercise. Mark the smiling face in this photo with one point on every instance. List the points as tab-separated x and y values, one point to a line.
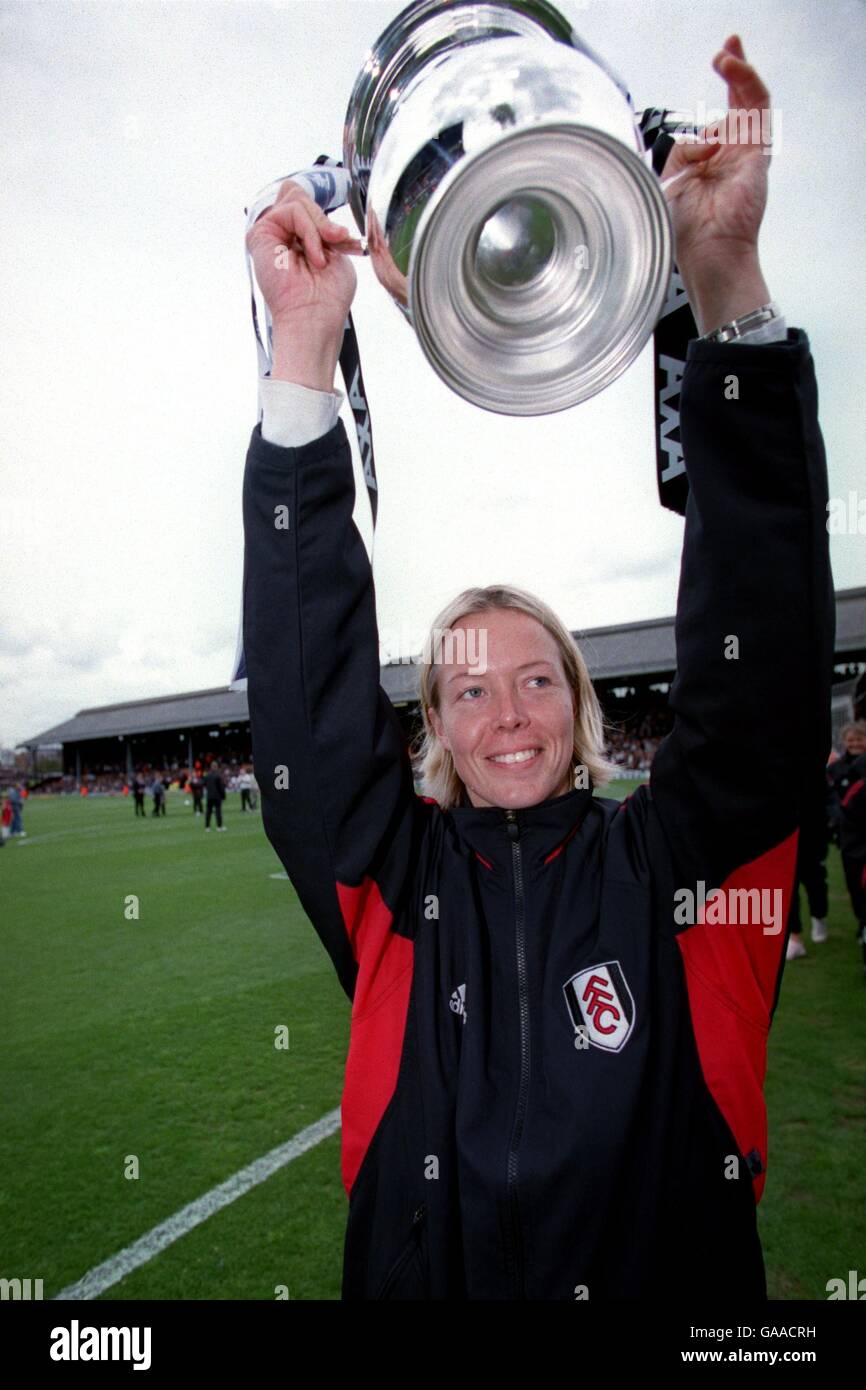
855	742
509	726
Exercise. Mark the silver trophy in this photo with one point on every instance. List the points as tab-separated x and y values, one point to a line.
497	168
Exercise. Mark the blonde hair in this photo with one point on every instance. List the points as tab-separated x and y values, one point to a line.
434	763
858	726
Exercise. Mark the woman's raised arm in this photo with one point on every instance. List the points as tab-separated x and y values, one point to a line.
755	616
338	802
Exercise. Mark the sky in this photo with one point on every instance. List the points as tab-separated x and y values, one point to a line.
133	137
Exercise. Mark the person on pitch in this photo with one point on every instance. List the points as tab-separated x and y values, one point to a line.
560	1002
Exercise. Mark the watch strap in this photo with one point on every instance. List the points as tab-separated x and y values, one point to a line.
740	326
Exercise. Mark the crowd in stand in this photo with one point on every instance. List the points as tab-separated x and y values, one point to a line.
112	783
633	745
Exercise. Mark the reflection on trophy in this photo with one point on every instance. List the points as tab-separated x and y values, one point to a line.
498	170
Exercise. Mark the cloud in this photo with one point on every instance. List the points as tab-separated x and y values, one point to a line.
211	638
16	644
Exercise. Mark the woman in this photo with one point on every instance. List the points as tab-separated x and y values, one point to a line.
554	1081
846	776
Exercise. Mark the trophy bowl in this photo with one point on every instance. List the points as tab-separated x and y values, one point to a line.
497	168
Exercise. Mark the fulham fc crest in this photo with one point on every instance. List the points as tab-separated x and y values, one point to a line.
600	1004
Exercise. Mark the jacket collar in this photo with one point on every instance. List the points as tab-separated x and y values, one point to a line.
542	830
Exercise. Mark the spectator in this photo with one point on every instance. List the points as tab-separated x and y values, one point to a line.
839	768
847	776
812	873
244	784
215	788
16	801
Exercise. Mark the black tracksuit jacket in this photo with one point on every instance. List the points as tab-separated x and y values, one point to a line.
215	787
554	1088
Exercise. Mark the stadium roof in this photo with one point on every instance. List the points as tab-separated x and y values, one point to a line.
188	711
850	621
626	651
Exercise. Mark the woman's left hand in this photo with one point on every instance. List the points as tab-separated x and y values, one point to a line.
718	200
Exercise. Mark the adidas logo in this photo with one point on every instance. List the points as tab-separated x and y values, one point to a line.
457	1002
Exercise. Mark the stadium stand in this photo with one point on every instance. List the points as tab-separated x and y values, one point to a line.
631	665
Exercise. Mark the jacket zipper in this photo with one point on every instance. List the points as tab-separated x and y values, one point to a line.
523	1092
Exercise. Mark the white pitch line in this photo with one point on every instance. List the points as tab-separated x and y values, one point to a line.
100	1278
108	828
29	839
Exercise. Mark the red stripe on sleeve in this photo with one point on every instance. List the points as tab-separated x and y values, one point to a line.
731	973
379	1010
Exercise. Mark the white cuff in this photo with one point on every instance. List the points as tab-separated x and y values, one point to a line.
293	415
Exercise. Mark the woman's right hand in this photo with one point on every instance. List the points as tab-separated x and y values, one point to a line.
301	264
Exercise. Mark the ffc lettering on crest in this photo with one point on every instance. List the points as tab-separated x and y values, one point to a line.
600	1001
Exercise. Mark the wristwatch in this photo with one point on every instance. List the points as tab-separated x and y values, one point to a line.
737	328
